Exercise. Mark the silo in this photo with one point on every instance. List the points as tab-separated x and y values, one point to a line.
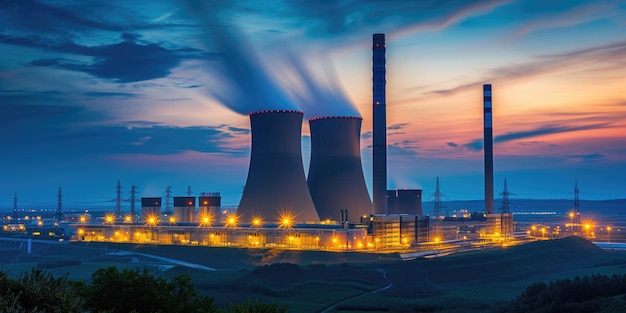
276	183
184	210
209	206
335	178
150	207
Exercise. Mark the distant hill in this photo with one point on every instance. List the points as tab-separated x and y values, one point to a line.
533	205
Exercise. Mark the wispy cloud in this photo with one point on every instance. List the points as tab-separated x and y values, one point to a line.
591	157
544	64
477	144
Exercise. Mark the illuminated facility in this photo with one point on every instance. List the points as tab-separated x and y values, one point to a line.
331	209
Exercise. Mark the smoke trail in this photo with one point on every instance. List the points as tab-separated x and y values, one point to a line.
317	97
239	80
243	84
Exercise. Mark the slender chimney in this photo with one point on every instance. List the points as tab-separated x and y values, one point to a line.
488	143
379	157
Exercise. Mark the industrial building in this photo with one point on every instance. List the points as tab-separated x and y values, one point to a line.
372	232
404	201
281	207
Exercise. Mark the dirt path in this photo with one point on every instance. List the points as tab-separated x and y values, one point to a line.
334	306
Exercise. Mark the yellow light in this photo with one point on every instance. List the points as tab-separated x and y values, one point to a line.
232	220
152	220
127	218
257	222
437	239
172	220
81	231
587	226
571	215
109	218
39	223
608	228
82	219
286	220
534	227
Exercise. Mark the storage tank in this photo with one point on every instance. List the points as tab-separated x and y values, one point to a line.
276	183
150	207
335	178
184	210
209	207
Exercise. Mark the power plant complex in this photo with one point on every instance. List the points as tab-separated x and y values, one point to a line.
330	208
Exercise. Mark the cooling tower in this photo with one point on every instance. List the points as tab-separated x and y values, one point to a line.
488	142
335	178
276	183
379	146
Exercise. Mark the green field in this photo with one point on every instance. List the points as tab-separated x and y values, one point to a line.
474	281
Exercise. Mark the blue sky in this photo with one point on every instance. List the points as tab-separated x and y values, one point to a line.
156	93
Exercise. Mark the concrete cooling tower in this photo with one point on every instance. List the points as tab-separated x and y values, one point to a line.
335	178
276	183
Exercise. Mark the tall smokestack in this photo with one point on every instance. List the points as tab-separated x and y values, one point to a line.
335	178
276	183
379	158
488	143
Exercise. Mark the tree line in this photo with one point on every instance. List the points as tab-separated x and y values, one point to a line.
587	294
113	291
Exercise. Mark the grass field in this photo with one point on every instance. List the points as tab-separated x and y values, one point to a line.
466	282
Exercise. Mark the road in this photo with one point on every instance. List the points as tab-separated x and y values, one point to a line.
334	306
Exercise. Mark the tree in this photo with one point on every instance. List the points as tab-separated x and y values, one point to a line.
128	290
38	292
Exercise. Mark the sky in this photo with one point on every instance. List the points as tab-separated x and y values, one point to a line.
157	93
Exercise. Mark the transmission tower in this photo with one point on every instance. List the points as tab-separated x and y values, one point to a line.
438	207
506	218
59	214
15	207
168	198
118	199
576	226
189	193
133	199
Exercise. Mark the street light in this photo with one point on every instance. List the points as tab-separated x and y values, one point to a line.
608	230
534	228
571	216
587	227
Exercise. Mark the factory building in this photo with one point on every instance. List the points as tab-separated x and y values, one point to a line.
404	201
150	208
281	208
209	208
184	210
